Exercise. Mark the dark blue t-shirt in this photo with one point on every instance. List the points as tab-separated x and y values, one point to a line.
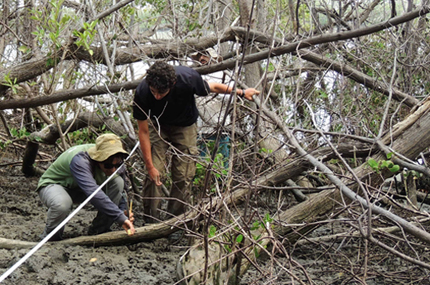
178	107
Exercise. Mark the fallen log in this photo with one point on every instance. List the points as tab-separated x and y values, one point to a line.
356	233
146	233
15	244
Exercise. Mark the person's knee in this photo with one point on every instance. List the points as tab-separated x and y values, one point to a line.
117	183
62	206
114	189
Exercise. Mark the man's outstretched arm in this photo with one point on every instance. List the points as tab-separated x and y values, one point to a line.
216	87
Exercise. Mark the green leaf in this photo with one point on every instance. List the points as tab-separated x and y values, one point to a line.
212	231
257	237
323	95
239	238
24	49
227	248
14	132
50	62
255	225
65	19
395	168
256	252
267	218
372	163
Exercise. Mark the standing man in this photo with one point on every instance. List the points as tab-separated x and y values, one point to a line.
75	175
166	113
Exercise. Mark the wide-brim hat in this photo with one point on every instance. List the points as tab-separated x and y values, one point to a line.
106	146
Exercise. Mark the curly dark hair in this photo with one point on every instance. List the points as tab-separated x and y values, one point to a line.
161	76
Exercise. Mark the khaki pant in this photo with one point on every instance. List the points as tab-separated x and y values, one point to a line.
183	141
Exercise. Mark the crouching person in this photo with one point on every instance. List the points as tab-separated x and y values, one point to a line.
75	175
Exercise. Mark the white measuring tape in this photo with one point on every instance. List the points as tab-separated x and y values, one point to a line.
63	223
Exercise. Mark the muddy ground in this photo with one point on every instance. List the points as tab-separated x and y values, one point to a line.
341	260
22	218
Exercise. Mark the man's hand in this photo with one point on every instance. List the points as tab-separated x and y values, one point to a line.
249	92
130	216
128	227
154	175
